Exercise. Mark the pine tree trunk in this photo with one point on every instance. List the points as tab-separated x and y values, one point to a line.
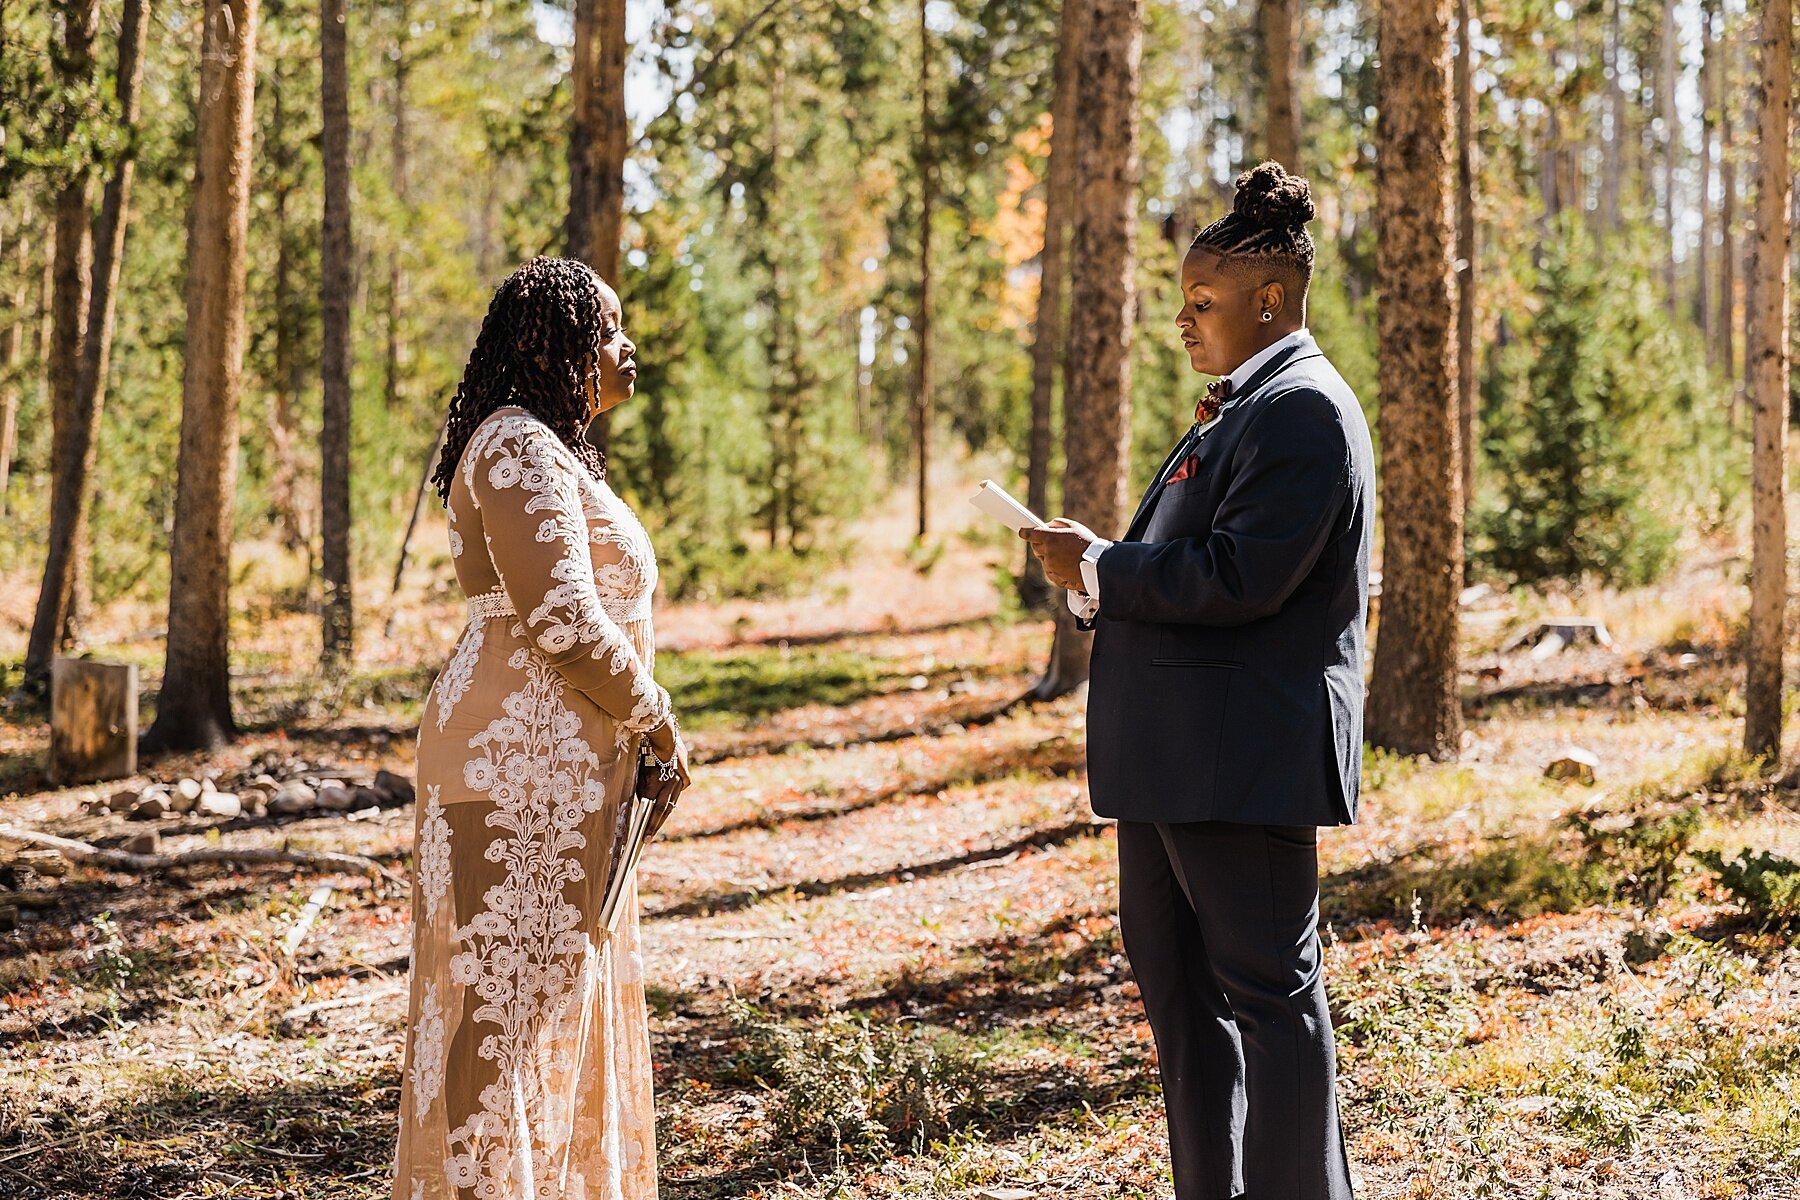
397	168
583	140
1281	72
334	312
1725	295
193	710
921	407
595	225
12	322
1614	164
72	424
284	477
1666	113
1413	703
1709	108
1047	338
1467	395
1766	373
1102	261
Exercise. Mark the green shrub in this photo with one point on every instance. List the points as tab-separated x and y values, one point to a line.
1766	885
1599	432
1643	856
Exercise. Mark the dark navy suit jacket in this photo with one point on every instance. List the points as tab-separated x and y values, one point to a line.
1227	680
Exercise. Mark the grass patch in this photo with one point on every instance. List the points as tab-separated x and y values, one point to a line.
844	1083
1764	884
1587	859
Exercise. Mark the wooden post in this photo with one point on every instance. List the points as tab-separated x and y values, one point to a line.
93	720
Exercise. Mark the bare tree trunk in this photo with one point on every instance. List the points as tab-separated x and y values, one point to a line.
1666	113
335	259
1047	338
1709	109
12	321
1766	373
193	710
595	225
921	406
1097	399
1413	703
284	478
72	428
397	166
578	226
1613	178
1724	339
1466	391
1281	71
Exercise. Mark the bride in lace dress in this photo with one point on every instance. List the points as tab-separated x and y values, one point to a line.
527	1071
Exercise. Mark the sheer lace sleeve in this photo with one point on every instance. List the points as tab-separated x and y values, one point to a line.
523	482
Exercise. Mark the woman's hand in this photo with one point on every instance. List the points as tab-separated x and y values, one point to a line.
667	744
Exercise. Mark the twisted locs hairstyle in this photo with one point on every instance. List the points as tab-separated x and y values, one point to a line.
541	336
1266	227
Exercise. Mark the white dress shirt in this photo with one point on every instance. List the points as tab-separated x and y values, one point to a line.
1086	603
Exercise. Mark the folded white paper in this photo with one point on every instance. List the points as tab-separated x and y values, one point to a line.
993	500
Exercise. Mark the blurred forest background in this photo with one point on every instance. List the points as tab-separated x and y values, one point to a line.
771	268
870	254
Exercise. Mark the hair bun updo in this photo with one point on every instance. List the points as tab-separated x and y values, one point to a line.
1270	198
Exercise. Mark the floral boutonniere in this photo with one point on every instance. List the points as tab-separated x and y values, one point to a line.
1213	403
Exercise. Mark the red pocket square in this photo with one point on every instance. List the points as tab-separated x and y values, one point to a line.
1184	471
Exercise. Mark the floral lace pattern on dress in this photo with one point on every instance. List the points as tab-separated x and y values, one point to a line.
524	953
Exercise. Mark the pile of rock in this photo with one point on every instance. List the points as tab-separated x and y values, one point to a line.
302	792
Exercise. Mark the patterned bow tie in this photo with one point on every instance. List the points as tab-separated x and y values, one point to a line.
1217	392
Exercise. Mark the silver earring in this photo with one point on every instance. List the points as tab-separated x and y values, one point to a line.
1268	316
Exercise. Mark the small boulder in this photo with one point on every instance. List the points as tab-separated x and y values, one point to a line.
1574	765
368	797
184	795
143	843
335	797
151	804
122	800
398	787
266	780
222	805
292	798
254	799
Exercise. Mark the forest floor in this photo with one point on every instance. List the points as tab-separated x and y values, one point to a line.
880	933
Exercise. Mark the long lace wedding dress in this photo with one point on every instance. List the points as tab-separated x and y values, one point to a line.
527	1071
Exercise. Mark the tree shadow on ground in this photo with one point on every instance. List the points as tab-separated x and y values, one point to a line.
1496	881
1063	983
1057	757
712	903
176	1136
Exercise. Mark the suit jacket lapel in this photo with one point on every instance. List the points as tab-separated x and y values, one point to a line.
1304	349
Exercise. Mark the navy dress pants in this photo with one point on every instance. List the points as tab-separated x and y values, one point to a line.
1221	926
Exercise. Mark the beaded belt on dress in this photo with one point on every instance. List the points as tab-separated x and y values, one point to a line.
496	603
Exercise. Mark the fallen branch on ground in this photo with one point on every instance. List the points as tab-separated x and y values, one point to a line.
141	864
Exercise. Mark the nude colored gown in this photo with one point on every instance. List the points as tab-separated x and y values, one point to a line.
527	1071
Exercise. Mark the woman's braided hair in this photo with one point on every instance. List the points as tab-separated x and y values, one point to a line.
1267	221
541	336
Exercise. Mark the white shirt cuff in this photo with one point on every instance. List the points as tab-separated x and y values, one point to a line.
1086	603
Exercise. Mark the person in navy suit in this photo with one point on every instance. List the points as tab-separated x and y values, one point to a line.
1225	708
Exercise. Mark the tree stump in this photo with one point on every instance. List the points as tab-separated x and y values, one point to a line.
93	720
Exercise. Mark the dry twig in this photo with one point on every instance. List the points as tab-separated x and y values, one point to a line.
141	864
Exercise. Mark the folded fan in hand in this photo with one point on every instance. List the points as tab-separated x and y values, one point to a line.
629	838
